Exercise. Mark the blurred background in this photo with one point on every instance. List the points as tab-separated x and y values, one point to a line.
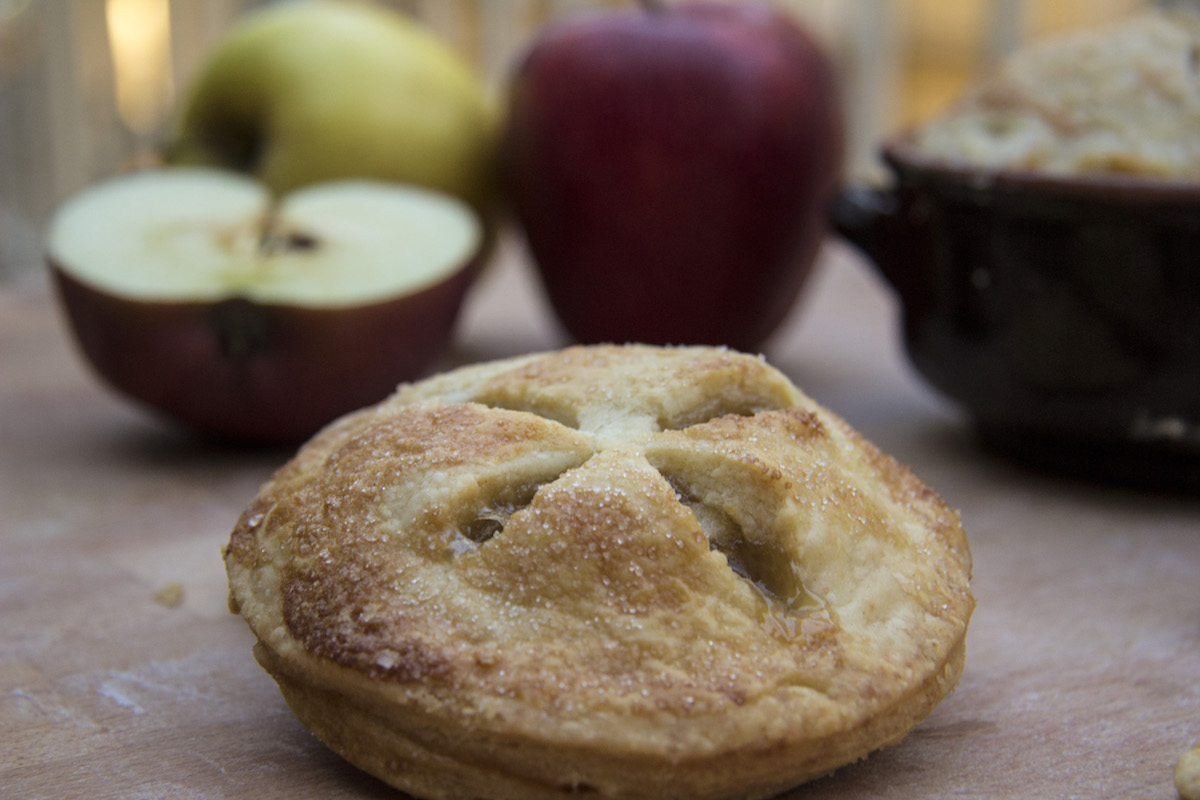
89	87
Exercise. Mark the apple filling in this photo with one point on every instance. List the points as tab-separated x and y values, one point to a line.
789	608
717	408
199	235
490	520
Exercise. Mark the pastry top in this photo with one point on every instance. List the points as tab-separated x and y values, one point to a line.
1120	100
660	552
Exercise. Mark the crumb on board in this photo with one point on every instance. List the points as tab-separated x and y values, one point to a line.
169	595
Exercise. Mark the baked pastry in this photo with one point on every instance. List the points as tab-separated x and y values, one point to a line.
1118	100
1187	774
620	571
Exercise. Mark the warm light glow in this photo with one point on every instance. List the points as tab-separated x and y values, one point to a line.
139	36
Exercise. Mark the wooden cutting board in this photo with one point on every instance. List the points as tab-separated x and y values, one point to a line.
123	675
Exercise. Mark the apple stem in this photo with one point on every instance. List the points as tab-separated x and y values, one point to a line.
240	329
274	238
269	230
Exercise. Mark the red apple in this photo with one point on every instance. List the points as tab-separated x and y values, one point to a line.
670	168
192	292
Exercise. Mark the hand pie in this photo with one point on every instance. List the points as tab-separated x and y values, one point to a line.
630	572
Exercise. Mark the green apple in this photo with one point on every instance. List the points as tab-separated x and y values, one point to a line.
195	292
311	91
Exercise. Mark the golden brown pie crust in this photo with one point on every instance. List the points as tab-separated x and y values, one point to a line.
619	571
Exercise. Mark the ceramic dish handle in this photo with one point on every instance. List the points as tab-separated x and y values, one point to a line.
860	215
887	231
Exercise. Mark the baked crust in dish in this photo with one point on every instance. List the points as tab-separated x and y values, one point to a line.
623	571
1118	100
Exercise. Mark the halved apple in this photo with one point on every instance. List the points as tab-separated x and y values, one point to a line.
194	292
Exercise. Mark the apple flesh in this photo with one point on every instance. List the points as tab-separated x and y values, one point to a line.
193	292
670	168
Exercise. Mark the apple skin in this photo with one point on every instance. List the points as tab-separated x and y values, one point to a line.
250	372
313	91
671	168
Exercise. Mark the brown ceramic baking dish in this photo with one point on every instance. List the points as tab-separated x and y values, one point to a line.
1063	313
